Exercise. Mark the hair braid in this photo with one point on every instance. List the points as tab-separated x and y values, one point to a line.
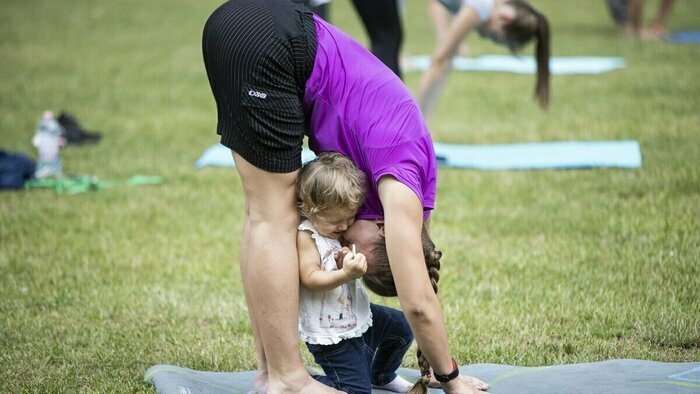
381	282
432	262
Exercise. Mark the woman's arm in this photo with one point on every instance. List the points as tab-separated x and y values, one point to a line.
313	278
403	220
434	78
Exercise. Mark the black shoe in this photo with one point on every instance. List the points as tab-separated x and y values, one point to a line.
74	133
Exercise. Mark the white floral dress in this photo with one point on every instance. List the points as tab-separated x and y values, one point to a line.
326	318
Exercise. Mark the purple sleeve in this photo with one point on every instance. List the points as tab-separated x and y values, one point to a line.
411	163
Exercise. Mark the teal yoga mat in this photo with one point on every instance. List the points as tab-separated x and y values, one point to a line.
522	156
613	376
542	155
522	64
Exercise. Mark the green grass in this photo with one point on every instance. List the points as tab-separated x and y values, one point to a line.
540	267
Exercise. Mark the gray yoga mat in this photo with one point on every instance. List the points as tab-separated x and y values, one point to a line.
613	376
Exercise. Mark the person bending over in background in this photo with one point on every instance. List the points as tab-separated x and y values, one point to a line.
512	23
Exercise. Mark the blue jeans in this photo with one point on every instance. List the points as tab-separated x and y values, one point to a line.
354	365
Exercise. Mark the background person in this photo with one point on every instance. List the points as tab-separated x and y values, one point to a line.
382	21
512	23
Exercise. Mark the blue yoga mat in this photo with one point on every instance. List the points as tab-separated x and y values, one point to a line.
525	156
542	155
685	37
523	64
218	155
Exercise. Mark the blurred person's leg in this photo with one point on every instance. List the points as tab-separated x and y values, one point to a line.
323	11
636	8
619	11
658	27
383	24
320	8
440	18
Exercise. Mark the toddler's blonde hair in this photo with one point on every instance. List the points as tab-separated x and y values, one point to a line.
328	183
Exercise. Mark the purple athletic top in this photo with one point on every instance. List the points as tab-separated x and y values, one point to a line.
360	108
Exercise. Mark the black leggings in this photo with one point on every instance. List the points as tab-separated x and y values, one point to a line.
383	24
619	11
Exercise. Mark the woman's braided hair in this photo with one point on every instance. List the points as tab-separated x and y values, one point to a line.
381	282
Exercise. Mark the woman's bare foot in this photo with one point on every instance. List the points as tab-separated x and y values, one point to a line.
654	33
259	390
300	384
260	383
627	30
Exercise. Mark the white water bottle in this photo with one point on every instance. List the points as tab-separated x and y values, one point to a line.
48	139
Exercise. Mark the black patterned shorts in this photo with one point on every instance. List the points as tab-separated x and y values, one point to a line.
258	55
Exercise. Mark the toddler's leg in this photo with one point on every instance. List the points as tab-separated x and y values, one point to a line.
398	385
391	336
345	364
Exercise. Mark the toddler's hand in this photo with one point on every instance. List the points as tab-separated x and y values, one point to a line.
344	251
355	265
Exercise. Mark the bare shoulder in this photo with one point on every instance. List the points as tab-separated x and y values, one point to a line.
306	247
304	238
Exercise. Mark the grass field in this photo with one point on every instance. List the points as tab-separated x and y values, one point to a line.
539	267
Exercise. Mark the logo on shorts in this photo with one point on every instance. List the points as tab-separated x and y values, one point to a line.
253	93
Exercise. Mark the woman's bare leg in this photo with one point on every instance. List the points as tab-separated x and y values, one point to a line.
658	27
261	376
270	270
635	15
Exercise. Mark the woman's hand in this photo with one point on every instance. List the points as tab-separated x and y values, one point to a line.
463	384
475	384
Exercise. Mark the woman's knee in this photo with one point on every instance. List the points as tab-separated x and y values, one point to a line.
269	196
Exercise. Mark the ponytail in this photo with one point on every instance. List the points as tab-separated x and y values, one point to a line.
542	54
528	24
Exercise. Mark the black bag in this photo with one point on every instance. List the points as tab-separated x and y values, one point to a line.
14	170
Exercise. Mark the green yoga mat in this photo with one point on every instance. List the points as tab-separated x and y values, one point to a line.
82	184
613	376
